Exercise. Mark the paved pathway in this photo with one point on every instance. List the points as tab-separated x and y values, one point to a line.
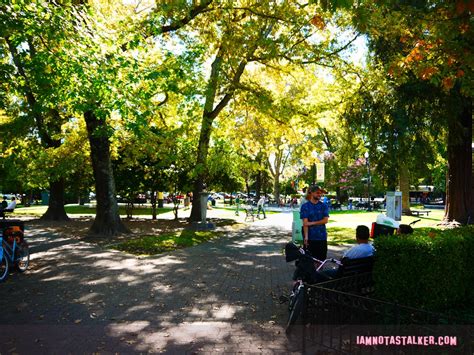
218	297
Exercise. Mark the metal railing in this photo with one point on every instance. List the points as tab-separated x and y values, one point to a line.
340	313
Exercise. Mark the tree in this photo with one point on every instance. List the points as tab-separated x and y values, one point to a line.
241	33
28	93
433	42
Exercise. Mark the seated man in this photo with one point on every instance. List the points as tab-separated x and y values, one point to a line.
362	250
10	207
12	204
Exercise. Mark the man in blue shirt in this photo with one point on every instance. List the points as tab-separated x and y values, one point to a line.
315	216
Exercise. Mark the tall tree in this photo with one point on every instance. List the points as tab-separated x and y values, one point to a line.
27	42
433	41
259	33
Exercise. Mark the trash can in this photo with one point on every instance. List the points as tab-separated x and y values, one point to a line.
213	202
160	199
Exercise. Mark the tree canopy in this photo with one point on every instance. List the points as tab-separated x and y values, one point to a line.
139	96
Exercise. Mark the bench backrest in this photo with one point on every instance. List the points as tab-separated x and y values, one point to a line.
355	266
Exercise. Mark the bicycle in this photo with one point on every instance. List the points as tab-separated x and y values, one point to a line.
298	292
14	251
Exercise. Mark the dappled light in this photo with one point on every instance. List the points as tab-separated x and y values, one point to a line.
156	302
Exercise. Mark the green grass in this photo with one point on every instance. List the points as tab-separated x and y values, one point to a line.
151	245
340	235
342	224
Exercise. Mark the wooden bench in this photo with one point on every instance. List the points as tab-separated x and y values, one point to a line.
420	212
4	212
354	276
350	267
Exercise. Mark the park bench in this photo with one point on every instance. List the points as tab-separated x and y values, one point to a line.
351	267
336	206
420	212
354	276
4	212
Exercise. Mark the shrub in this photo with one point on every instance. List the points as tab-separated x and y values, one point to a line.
430	269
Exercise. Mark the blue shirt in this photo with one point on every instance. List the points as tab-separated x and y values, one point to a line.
359	251
315	212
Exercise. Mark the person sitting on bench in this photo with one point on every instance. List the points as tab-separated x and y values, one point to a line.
4	203
363	249
10	207
12	204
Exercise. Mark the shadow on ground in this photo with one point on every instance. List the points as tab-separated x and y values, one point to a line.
219	296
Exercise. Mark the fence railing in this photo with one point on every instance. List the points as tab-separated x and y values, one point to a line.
340	316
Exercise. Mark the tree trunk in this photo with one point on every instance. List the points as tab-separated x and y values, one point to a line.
153	204
458	190
472	171
107	221
258	184
405	188
276	187
201	166
210	112
56	211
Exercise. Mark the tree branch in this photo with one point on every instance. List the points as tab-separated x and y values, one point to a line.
183	21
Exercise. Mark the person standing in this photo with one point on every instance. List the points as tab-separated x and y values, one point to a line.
260	205
237	205
315	216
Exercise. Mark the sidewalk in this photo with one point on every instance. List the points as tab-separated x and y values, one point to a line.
218	297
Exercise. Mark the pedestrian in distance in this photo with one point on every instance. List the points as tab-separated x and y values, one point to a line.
260	207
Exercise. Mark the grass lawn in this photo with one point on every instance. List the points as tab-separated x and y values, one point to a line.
351	219
342	224
151	245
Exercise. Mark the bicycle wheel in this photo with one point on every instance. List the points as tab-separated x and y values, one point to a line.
296	306
22	257
4	266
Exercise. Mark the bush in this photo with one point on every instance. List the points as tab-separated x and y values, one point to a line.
430	269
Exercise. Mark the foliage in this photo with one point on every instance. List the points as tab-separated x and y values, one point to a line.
433	39
430	269
224	170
